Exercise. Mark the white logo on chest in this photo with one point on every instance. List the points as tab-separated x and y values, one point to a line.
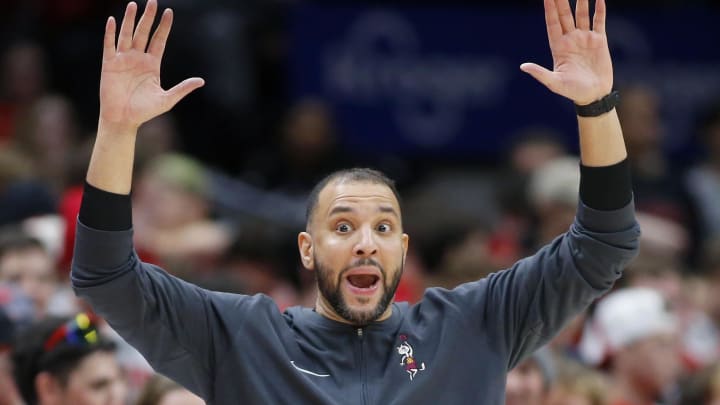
408	360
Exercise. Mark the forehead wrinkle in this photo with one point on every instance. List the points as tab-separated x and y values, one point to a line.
388	210
344	208
342	188
337	204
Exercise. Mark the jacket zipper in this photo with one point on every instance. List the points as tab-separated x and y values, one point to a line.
363	368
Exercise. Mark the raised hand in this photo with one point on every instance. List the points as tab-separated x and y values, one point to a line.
130	90
582	68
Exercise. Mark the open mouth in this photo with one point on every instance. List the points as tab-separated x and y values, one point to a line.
364	280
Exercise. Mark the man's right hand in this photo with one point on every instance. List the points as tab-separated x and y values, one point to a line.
130	90
130	94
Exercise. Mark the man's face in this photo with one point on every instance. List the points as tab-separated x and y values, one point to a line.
96	381
356	246
32	270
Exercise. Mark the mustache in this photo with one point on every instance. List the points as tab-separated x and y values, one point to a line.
362	262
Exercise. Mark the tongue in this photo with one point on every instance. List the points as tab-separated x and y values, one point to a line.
362	280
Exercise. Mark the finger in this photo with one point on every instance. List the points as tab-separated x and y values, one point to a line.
126	29
565	14
182	89
599	19
544	76
109	41
582	15
552	21
142	33
159	38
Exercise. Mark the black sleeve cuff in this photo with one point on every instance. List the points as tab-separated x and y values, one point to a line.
606	188
105	211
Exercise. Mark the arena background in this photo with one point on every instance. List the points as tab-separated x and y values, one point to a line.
428	91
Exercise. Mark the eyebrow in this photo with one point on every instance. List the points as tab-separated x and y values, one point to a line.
343	209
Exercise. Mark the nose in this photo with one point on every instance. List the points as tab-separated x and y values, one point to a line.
365	246
118	392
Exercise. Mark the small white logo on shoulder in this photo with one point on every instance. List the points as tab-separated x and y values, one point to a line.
302	370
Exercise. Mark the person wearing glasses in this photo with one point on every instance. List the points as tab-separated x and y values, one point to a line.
356	346
58	361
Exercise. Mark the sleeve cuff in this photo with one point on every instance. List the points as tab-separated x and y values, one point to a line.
101	250
105	211
606	188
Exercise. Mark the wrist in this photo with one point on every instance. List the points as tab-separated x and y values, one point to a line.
116	128
598	107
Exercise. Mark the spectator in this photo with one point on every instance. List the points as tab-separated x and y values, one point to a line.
306	149
636	333
61	361
553	197
660	266
48	135
657	185
578	385
174	215
22	82
530	382
25	262
161	390
532	148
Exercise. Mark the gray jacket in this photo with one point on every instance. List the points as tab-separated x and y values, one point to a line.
452	347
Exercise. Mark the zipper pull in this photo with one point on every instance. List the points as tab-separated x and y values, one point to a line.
360	333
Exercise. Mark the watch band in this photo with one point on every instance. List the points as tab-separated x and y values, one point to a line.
599	107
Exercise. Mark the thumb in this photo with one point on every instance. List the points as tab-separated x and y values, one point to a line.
182	89
540	74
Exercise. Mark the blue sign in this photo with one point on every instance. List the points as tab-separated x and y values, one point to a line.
446	81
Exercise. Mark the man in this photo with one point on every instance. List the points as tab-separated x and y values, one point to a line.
639	335
25	262
355	346
531	381
60	361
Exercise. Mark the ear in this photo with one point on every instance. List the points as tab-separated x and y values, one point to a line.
405	244
305	246
48	388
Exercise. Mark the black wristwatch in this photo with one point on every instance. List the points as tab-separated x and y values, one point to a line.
599	107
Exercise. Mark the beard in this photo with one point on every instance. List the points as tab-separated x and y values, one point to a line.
333	294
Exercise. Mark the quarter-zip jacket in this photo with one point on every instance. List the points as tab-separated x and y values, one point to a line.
452	347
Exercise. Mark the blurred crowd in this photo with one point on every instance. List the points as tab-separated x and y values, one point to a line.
219	197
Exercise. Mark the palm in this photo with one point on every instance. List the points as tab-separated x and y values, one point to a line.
582	68
130	90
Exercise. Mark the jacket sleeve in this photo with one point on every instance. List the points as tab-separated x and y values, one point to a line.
177	326
523	307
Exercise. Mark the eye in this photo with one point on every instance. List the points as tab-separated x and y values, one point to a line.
100	385
384	228
343	227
